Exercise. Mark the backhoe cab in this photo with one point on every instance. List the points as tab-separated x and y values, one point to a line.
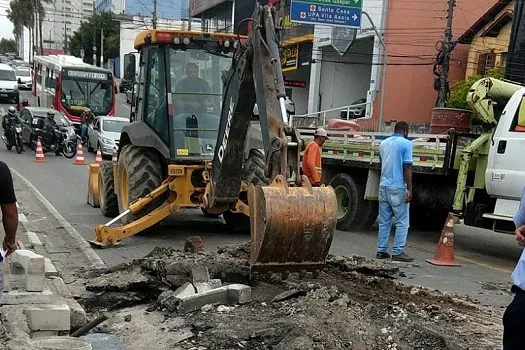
193	143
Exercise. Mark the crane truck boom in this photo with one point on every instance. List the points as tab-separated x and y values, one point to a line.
191	144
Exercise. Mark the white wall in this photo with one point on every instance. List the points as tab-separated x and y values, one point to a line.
345	79
377	11
299	95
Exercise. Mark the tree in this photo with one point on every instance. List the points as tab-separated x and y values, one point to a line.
8	45
21	15
460	89
88	34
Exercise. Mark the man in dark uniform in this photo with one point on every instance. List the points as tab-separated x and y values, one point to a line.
9	214
191	86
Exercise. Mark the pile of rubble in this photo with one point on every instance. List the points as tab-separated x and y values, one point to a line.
208	301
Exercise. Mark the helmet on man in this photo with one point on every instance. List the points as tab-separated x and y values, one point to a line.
25	102
11	110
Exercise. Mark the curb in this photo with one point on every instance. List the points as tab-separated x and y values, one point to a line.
84	246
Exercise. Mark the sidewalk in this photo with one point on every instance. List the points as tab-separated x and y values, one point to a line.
52	310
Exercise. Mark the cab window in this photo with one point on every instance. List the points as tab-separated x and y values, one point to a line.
518	124
155	106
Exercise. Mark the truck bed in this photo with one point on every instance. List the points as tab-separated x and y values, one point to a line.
432	154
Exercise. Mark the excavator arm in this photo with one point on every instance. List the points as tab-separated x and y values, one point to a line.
292	224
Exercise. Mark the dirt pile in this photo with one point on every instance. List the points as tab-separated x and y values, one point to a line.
4	335
354	304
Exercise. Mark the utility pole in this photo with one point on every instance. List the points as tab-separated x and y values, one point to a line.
65	39
447	48
154	20
102	48
190	2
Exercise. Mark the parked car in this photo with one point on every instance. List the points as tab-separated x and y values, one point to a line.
130	93
8	84
24	77
357	111
32	120
104	132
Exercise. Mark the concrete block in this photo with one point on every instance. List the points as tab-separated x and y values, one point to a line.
241	293
231	294
34	239
215	283
185	290
78	317
33	266
48	317
206	286
43	334
200	274
50	269
31	298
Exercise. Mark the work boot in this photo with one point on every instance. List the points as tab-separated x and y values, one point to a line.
382	255
402	257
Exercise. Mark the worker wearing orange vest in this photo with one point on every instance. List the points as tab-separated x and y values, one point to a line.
312	157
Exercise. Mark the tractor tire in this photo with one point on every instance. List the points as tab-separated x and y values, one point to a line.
353	211
139	173
106	187
253	173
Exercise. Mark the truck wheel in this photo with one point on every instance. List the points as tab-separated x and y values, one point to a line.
253	173
107	197
353	211
139	173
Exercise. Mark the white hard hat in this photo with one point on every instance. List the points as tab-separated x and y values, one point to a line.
321	132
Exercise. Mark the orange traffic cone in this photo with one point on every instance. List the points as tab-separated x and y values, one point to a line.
79	159
114	158
39	156
444	255
98	158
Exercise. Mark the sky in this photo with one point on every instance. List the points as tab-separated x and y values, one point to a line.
6	27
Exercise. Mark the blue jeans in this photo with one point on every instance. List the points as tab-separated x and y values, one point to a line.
83	131
392	202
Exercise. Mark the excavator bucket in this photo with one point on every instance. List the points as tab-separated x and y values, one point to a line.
291	227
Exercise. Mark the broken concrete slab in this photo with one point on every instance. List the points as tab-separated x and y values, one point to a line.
78	317
202	287
55	317
185	290
200	274
33	266
29	298
288	294
230	294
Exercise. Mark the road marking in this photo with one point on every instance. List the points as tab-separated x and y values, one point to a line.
488	266
84	246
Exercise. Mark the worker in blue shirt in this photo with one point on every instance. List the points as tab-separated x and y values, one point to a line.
395	192
514	317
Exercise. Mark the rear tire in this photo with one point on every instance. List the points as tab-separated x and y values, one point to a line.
353	211
106	187
139	173
70	150
253	173
19	146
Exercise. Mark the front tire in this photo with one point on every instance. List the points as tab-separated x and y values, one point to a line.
70	150
139	173
19	146
106	187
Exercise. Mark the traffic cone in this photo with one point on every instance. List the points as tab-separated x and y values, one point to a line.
444	255
114	158
79	159
98	158
39	155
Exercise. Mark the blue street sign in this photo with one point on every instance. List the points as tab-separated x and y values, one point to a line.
334	15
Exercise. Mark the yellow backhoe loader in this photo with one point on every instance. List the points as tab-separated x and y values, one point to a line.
193	143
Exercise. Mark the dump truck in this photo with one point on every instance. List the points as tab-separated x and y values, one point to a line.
476	173
193	143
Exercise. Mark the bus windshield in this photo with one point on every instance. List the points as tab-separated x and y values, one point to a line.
77	94
197	98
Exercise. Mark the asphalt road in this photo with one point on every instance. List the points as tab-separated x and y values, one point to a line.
487	258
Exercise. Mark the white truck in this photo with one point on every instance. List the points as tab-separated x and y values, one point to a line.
479	175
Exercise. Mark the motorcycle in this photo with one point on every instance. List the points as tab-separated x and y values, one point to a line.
13	134
65	141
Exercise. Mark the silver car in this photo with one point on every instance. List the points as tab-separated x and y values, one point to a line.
104	132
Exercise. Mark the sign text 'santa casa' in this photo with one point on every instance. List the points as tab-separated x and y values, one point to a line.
86	75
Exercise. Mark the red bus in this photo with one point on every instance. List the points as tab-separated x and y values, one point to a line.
69	85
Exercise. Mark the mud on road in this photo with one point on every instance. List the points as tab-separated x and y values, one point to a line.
355	303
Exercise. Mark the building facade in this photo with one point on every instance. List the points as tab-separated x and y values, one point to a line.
489	38
166	9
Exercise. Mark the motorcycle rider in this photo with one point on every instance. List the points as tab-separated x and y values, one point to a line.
48	130
24	104
11	116
87	118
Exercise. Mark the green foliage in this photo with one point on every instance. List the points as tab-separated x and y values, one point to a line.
459	90
8	45
88	34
